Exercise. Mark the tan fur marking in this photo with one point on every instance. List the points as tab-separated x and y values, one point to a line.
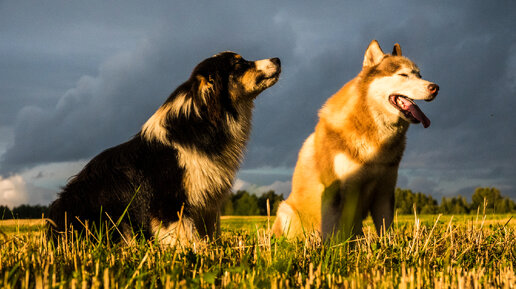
263	67
248	80
206	88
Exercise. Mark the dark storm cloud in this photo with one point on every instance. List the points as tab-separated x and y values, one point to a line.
468	49
47	47
473	130
96	72
107	108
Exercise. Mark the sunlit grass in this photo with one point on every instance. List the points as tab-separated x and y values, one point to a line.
424	252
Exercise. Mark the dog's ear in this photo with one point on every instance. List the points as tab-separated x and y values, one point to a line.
373	54
207	97
396	51
205	88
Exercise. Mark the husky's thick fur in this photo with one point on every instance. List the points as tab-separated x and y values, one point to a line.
348	167
185	156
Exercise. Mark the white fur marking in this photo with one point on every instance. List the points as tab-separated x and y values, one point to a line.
266	66
177	233
284	215
184	106
154	127
343	166
412	87
203	174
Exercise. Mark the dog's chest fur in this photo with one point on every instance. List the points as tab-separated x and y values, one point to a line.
353	141
207	176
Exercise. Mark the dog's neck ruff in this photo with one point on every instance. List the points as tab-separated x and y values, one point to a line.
207	175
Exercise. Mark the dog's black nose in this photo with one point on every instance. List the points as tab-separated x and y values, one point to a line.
276	61
434	88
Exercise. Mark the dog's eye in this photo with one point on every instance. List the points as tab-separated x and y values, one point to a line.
240	64
403	74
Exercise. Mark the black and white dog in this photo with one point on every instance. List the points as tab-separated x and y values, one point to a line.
186	155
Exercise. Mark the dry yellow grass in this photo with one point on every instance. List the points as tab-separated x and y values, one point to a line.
422	252
22	222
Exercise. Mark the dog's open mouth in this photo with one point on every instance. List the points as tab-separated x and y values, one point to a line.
263	81
273	76
276	74
409	109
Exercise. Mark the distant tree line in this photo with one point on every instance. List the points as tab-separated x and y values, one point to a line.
243	203
23	212
489	199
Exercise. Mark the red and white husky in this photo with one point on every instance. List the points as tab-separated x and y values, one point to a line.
348	167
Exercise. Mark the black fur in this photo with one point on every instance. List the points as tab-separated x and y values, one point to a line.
149	170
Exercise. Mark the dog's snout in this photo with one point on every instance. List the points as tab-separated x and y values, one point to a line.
269	66
276	61
434	88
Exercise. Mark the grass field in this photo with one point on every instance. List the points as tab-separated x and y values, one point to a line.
427	252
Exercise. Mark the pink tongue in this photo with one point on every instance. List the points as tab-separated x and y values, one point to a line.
419	115
415	111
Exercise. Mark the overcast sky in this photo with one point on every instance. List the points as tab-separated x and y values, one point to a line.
77	77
